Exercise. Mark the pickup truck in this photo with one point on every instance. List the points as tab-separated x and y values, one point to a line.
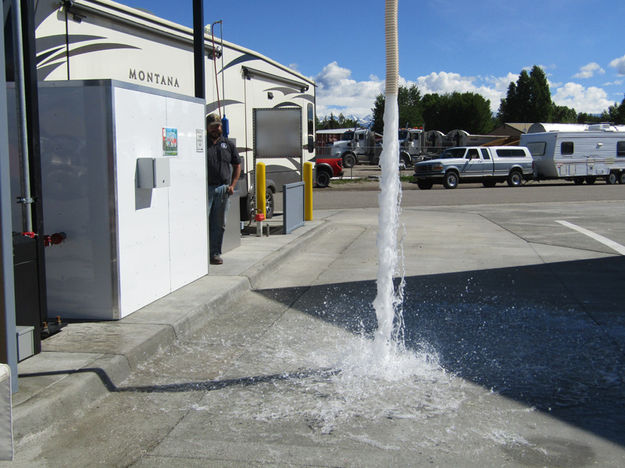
325	169
486	164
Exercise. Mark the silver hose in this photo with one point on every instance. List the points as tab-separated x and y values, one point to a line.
392	55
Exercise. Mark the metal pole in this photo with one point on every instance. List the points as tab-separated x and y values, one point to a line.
8	335
20	88
198	48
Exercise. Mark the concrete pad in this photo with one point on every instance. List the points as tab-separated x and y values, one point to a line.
512	359
135	341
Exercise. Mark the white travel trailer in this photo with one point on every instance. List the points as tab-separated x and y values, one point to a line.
101	39
597	151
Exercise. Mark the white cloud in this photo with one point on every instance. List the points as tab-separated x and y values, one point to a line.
619	64
613	83
338	93
589	70
591	100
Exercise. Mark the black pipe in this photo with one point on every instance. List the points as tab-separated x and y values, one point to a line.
32	122
198	48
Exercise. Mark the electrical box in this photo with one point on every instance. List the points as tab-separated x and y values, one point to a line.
25	342
152	173
129	243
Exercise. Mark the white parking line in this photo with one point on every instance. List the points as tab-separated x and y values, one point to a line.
598	237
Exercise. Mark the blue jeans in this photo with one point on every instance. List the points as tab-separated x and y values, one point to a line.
218	204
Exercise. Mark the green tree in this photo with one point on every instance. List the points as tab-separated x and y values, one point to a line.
409	104
331	122
541	105
466	111
527	100
615	114
563	114
583	118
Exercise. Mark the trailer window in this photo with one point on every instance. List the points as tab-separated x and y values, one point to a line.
510	153
567	147
537	148
620	149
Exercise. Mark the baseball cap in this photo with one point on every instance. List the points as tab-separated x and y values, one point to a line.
212	119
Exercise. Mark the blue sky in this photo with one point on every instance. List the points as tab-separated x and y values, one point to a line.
445	45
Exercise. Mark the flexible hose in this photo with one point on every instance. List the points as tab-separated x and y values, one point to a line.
392	55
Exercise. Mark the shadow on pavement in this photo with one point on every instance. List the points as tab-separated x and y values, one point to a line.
551	336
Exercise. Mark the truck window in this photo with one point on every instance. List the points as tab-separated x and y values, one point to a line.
452	153
472	154
485	154
510	153
567	147
620	149
537	148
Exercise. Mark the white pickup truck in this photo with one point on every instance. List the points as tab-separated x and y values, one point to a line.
486	164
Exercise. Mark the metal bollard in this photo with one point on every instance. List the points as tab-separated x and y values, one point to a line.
308	191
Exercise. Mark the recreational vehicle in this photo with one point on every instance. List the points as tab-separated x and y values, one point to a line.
101	39
579	154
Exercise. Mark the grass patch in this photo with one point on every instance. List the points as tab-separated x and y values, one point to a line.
348	181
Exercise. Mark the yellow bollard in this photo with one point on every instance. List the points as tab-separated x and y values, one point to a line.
261	188
308	191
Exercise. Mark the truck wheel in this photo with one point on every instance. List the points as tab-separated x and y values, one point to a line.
621	178
451	179
349	160
578	180
611	178
424	184
405	158
323	179
515	179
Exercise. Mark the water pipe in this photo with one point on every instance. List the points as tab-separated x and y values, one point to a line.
20	86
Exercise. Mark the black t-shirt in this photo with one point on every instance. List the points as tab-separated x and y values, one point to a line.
220	157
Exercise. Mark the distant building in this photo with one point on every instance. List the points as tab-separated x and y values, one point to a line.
512	129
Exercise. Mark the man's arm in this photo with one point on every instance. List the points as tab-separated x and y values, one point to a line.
236	172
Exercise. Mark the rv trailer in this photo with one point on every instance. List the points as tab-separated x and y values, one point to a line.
597	151
102	39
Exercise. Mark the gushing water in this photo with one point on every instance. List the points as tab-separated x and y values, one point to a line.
388	299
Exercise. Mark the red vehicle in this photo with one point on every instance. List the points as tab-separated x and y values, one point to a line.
326	168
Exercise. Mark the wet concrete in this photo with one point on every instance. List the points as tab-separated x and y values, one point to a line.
514	357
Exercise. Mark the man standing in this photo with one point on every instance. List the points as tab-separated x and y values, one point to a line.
223	171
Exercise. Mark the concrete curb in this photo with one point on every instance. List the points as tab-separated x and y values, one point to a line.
254	272
73	372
